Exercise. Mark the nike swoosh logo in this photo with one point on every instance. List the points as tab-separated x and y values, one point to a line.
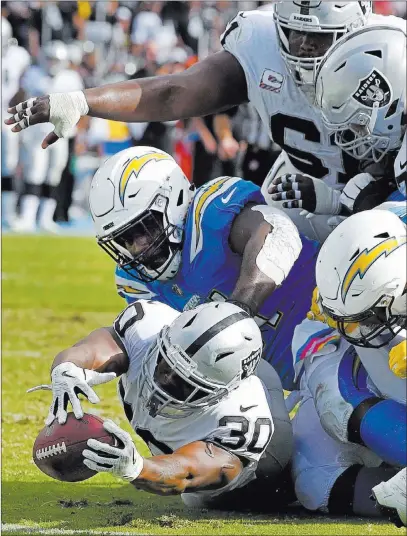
402	166
243	410
228	197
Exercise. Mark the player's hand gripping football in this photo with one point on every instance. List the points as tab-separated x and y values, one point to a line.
398	359
67	382
302	191
63	110
123	461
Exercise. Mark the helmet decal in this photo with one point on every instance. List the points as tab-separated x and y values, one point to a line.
366	259
211	189
135	165
306	5
373	88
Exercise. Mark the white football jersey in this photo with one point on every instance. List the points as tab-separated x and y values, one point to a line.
13	64
313	339
241	422
292	121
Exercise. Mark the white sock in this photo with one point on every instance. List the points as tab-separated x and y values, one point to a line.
48	210
8	205
29	209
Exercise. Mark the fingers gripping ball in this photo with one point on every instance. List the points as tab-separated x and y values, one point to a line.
57	451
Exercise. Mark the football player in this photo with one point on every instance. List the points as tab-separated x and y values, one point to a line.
14	62
42	172
220	243
269	58
355	375
194	388
361	91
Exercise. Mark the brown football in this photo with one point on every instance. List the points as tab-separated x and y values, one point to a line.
57	451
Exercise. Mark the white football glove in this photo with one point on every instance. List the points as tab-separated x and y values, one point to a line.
68	380
124	462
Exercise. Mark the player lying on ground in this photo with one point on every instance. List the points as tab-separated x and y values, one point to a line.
220	242
360	89
269	58
356	374
188	388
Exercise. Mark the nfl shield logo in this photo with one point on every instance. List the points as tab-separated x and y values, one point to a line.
373	88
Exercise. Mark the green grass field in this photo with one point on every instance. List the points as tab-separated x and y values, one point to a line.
55	290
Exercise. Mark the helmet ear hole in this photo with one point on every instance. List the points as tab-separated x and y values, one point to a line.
180	198
382	235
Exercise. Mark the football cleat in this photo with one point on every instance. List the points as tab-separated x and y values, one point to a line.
391	498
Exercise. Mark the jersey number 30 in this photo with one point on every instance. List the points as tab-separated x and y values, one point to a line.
239	435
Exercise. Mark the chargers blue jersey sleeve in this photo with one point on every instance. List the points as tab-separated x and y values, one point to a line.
210	269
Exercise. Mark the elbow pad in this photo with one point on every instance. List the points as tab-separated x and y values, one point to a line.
281	247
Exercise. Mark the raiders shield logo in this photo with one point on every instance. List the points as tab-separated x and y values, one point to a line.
373	88
249	364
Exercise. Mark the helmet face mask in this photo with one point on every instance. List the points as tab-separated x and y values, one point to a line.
376	326
322	24
158	252
199	359
171	388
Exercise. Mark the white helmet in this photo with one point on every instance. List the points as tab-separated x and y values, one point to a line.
336	18
6	34
361	276
141	189
56	57
361	90
199	359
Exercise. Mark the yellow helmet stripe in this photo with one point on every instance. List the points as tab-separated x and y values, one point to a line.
198	209
365	260
135	165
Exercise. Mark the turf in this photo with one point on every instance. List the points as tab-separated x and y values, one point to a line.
54	291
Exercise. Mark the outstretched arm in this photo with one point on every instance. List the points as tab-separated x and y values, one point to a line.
210	86
101	350
197	466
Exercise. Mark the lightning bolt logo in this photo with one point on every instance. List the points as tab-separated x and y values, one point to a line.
199	206
131	290
366	259
135	165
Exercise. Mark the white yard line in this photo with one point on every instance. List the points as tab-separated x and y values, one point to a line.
23	529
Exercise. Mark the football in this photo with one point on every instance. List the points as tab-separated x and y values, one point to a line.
57	451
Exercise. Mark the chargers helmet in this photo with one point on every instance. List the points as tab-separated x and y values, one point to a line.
361	276
141	188
206	351
336	18
361	90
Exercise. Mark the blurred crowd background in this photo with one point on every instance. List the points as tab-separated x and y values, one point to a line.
54	46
